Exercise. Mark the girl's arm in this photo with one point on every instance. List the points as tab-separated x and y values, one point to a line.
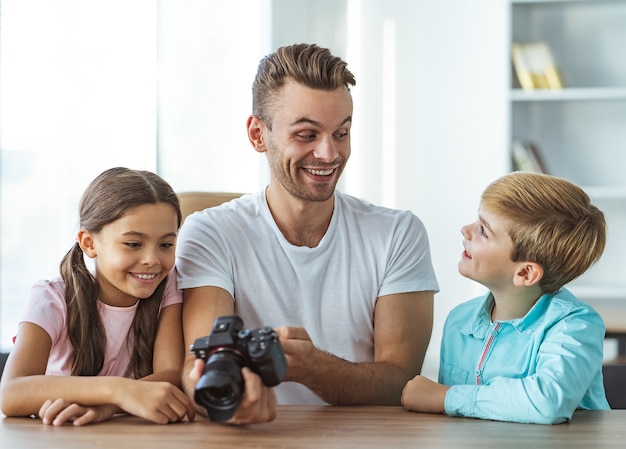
168	347
25	387
167	366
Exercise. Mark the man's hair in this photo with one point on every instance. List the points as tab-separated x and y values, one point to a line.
551	222
307	64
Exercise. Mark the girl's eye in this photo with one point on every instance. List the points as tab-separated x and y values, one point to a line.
133	244
167	245
482	231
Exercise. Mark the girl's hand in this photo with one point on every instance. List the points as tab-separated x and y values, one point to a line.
59	412
160	402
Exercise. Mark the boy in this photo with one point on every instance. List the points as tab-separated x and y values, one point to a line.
528	350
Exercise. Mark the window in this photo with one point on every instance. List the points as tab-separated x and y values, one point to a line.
85	86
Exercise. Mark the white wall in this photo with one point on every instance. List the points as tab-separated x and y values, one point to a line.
77	91
458	113
208	55
430	121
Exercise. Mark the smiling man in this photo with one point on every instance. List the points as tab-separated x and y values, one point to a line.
348	285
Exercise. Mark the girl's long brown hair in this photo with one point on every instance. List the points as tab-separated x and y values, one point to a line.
106	199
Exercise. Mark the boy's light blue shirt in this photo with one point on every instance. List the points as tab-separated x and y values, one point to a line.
535	369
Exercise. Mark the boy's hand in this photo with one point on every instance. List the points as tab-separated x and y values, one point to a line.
423	395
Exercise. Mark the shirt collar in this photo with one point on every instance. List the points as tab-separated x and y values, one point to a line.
480	324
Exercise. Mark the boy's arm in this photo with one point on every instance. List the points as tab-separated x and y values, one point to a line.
424	395
568	360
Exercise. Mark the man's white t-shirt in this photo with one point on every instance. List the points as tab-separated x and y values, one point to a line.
330	290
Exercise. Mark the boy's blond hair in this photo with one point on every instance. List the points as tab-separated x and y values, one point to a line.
551	222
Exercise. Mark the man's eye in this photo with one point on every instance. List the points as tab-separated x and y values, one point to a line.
341	135
305	136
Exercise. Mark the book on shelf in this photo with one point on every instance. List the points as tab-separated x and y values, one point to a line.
527	157
535	66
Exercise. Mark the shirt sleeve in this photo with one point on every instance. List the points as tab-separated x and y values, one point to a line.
203	255
410	266
568	360
46	308
171	294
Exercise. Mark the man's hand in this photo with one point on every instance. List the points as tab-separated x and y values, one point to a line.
299	352
196	371
423	395
258	402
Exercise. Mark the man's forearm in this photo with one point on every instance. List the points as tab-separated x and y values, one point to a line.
339	382
188	383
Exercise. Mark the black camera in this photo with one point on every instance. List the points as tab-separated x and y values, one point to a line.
229	348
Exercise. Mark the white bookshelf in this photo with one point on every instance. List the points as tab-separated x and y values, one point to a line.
581	129
569	94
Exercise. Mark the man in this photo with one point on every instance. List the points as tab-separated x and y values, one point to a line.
349	286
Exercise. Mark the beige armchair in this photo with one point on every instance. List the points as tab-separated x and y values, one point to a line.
193	201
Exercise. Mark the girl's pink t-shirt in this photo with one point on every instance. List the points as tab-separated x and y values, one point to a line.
47	309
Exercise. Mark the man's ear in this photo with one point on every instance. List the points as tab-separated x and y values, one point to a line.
87	243
256	133
528	274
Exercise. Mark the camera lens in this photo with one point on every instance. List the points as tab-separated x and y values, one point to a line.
221	390
220	387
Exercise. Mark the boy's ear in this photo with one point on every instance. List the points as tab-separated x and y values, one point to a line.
87	244
528	274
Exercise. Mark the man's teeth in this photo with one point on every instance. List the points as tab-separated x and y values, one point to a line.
321	172
146	276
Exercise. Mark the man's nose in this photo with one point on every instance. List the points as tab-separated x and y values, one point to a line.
326	149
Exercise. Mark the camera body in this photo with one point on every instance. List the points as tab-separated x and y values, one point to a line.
229	348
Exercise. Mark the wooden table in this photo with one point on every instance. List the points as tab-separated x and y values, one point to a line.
326	427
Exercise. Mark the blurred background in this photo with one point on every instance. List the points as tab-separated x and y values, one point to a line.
165	85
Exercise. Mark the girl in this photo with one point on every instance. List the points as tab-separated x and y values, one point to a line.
89	343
